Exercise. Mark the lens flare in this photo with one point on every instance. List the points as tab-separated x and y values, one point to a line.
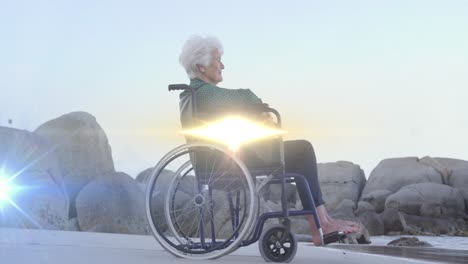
234	131
6	190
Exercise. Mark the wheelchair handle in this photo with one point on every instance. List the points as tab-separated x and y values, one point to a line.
173	87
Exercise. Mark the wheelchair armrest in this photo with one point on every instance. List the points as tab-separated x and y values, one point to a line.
258	107
239	109
264	108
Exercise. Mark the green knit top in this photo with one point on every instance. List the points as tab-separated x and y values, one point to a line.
209	96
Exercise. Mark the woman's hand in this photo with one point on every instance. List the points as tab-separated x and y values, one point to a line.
268	118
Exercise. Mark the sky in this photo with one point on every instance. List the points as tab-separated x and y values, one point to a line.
362	80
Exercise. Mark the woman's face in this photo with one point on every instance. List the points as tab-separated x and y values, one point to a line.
213	72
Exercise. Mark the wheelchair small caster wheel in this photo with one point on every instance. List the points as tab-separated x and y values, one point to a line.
273	249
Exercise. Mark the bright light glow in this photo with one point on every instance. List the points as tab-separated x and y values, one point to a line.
234	131
5	191
7	188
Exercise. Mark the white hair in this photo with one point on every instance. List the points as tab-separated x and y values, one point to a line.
197	51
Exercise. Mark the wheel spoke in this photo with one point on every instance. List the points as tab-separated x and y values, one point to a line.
184	217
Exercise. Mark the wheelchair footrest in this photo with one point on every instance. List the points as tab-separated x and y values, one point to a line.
333	237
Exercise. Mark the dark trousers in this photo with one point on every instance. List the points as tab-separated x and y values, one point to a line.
299	157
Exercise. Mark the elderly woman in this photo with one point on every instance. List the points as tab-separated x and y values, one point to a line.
201	59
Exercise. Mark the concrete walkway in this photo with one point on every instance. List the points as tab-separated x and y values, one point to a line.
59	247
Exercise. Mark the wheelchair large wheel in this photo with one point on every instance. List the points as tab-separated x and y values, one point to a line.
273	249
200	201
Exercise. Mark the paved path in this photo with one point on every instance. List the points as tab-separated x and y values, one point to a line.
423	253
58	247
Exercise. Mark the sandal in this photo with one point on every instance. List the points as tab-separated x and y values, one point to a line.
333	237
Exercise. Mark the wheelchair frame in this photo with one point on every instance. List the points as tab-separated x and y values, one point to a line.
252	232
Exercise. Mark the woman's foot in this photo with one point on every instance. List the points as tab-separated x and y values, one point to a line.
338	222
328	227
341	222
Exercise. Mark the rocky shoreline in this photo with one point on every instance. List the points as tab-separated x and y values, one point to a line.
67	164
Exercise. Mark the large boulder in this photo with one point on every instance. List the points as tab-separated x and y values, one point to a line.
341	181
397	222
82	149
418	196
428	199
39	200
112	203
38	203
142	178
377	199
442	169
181	202
458	177
24	151
392	174
425	209
272	193
373	223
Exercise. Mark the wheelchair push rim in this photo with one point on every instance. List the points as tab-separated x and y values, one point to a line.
185	245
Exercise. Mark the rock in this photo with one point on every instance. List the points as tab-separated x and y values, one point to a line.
443	170
412	193
184	203
112	203
72	225
344	210
222	216
373	223
39	203
377	199
428	226
24	151
364	207
401	223
408	242
427	199
300	226
143	176
185	193
273	193
362	237
142	187
393	220
28	163
458	178
393	174
82	149
339	181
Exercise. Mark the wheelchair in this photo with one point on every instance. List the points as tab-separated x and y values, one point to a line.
202	198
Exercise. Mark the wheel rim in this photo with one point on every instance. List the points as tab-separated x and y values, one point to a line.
182	246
